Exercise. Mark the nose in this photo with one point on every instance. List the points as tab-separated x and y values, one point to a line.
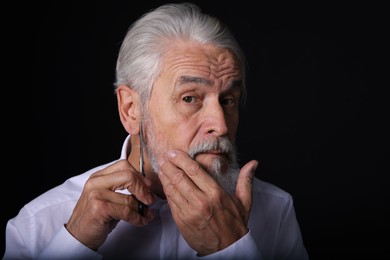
216	122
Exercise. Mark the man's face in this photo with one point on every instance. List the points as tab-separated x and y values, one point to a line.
194	106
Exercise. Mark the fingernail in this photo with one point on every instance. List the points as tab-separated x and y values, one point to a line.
171	154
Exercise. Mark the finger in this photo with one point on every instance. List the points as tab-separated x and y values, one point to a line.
115	167
193	170
123	179
177	186
122	206
245	184
130	213
115	197
121	165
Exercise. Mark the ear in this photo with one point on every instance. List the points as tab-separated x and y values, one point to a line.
129	108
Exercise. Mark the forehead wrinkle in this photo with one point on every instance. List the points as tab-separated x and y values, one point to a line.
185	79
203	67
228	71
224	66
228	74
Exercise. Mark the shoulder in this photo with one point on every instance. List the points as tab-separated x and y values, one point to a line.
263	188
260	186
271	206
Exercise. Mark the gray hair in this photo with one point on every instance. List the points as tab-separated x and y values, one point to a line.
148	39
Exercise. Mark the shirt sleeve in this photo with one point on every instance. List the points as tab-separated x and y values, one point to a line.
65	246
244	248
15	245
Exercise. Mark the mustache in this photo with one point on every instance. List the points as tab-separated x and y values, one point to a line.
222	144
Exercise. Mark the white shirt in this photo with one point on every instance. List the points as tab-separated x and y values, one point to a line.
38	230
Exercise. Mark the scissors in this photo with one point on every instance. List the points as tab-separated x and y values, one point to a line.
141	206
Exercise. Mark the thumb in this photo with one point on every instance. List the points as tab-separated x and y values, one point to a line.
245	184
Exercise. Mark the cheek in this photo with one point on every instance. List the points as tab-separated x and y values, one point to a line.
172	129
233	126
169	130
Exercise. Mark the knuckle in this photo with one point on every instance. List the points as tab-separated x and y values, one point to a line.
194	169
131	216
126	212
94	195
169	190
204	209
90	183
123	165
178	176
96	206
127	199
128	177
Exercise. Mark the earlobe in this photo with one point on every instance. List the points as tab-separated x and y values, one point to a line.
128	108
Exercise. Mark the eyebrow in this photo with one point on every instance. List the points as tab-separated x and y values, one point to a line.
183	80
197	80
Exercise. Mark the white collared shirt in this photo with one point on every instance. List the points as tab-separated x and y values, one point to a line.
38	231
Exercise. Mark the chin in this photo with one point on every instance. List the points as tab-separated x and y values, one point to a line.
214	164
224	172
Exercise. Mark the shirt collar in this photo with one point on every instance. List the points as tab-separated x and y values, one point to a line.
126	148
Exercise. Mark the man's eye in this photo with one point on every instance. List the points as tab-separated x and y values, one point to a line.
228	101
189	99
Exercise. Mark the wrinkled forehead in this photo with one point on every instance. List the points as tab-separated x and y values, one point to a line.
215	64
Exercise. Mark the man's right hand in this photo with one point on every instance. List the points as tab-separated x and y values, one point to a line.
100	208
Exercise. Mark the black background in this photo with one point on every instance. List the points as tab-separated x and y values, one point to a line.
315	118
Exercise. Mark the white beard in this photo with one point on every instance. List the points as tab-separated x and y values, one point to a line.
225	175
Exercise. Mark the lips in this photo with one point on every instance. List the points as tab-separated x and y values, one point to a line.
214	153
217	152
